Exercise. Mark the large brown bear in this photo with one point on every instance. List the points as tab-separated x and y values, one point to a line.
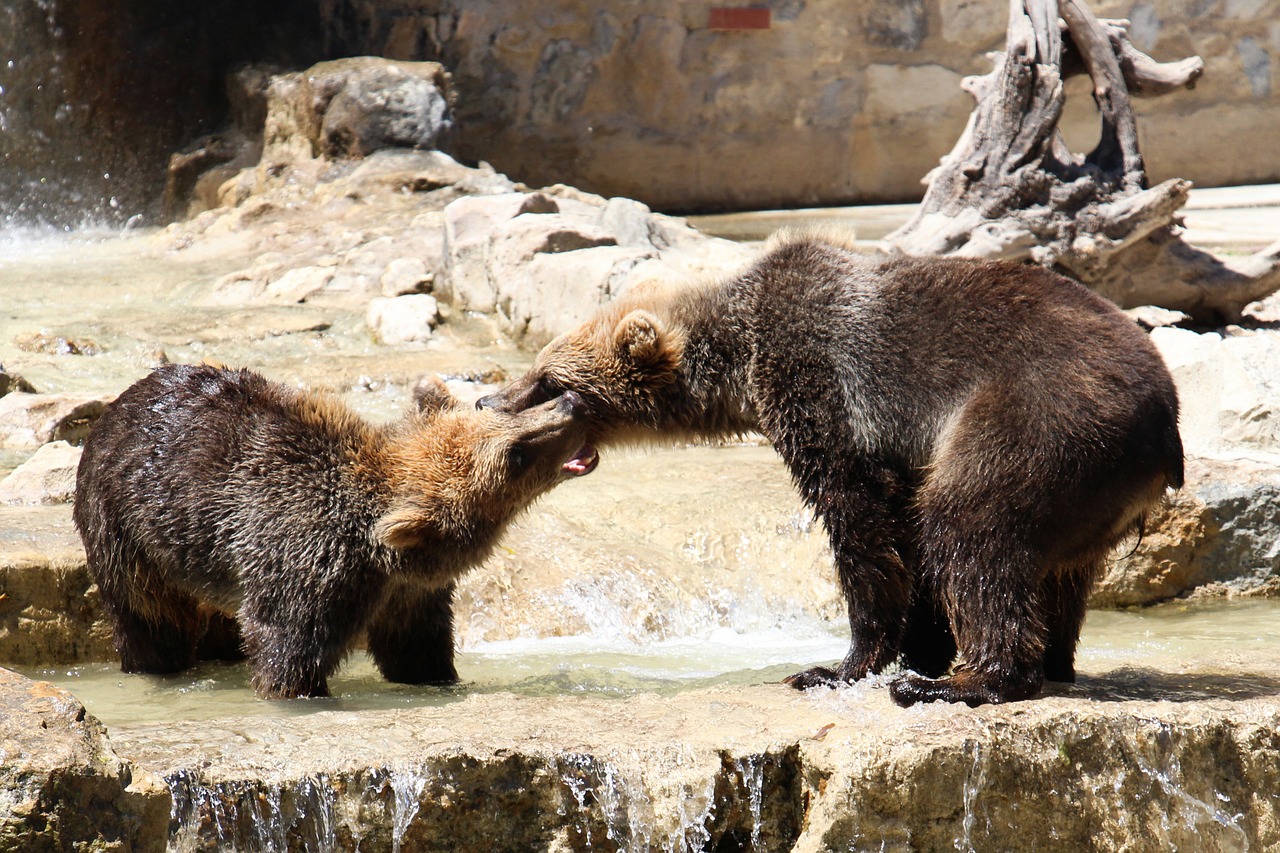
204	492
974	435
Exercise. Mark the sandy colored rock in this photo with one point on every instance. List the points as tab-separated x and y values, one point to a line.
1106	764
1228	387
62	786
48	477
27	420
406	275
403	319
1218	535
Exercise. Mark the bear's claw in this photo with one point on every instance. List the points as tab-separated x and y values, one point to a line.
818	676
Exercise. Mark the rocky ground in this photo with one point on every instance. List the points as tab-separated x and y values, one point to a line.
357	274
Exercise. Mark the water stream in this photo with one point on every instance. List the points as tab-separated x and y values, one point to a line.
1165	639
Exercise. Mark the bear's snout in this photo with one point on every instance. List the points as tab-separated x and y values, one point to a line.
571	403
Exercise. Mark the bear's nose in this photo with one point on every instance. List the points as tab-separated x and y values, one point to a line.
486	402
572	401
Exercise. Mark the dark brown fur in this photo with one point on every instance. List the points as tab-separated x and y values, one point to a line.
975	436
206	493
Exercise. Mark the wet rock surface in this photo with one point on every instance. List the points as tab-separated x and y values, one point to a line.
62	785
1110	763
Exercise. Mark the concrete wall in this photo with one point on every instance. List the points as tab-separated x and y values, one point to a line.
836	101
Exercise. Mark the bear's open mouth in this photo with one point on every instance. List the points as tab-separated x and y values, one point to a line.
582	463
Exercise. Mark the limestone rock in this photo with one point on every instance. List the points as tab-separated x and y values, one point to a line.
62	786
1228	387
50	612
468	224
550	293
13	382
757	767
406	275
403	319
546	260
353	107
298	284
1219	535
31	419
48	477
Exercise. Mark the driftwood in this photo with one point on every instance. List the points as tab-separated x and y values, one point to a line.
1011	188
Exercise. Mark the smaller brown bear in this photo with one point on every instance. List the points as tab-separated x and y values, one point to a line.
205	493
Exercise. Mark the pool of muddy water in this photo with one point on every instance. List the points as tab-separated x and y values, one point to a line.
1162	640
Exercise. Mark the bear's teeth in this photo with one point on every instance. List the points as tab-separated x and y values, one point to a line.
583	462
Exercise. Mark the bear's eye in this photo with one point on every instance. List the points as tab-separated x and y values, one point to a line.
549	388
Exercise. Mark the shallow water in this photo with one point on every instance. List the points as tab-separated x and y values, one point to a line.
1169	639
134	302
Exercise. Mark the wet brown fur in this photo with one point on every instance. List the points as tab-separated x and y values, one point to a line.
976	436
211	499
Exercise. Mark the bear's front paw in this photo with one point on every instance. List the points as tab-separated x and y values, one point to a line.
818	676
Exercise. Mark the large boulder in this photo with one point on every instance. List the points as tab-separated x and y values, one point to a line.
1219	535
544	261
1228	387
354	107
62	786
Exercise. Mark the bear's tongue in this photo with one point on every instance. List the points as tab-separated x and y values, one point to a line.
583	462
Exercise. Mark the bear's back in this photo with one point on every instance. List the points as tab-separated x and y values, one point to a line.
901	343
216	469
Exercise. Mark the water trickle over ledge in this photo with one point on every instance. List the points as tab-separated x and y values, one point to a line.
1128	759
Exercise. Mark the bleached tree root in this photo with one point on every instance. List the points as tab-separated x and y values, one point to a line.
1010	188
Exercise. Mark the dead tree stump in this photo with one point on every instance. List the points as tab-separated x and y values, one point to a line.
1011	188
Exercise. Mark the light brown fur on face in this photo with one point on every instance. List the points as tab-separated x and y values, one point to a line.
974	435
205	493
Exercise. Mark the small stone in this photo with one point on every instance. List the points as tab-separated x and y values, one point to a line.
403	319
27	420
44	342
297	285
13	382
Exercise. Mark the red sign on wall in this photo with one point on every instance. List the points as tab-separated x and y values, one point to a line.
739	18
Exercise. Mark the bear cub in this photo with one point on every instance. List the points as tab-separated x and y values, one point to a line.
222	512
975	436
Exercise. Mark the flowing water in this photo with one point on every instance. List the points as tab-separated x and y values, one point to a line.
1160	639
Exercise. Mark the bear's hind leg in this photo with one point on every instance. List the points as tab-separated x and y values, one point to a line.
411	637
221	640
992	592
1065	594
159	640
928	646
294	646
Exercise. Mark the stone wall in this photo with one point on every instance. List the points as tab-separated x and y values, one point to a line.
831	103
823	103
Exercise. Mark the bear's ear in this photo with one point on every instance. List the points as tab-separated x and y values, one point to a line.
431	395
404	526
639	335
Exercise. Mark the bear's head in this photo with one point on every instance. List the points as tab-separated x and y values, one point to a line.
623	363
458	474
